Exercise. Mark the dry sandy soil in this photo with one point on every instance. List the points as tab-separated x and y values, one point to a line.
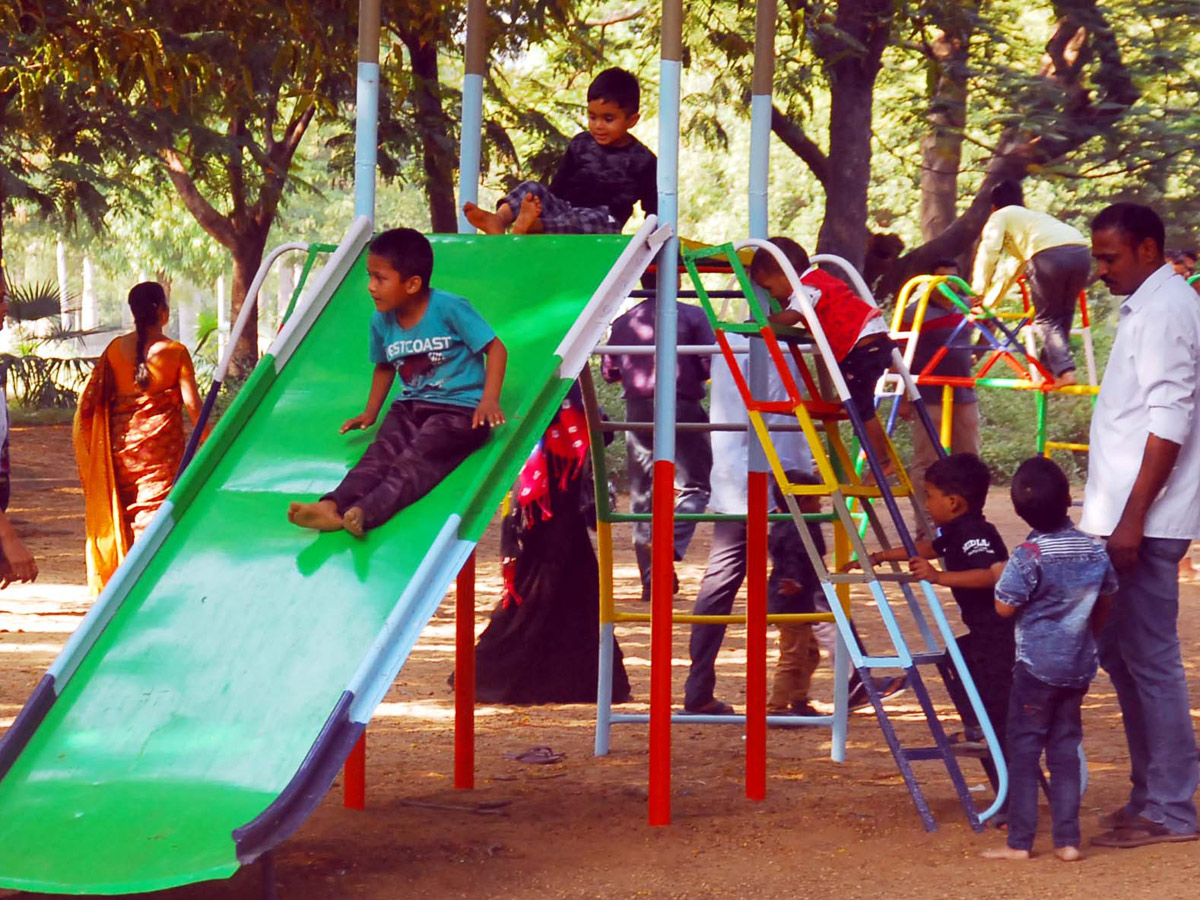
578	828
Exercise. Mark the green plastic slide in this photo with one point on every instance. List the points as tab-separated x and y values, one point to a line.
211	695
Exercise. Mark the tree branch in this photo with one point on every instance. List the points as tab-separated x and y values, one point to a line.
210	220
801	144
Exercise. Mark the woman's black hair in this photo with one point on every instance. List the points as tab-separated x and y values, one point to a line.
146	301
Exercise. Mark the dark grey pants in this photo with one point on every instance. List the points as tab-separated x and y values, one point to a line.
722	580
417	446
1139	648
1056	276
693	466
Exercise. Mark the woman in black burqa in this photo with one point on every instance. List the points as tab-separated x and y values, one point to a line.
541	645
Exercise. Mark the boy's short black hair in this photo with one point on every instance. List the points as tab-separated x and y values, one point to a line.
1135	222
763	263
1008	193
964	475
1041	494
407	251
617	86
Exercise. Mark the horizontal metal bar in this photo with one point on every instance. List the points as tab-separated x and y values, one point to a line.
646	293
680	718
690	619
918	753
691	426
617	517
648	349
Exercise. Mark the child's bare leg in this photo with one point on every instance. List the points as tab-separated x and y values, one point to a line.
1068	854
488	222
1005	852
353	521
322	515
528	220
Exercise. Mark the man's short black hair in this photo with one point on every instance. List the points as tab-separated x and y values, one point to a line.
1041	494
407	251
1008	193
964	475
1135	222
617	86
763	263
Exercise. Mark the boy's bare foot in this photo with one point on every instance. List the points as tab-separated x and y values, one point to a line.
1066	379
322	515
1005	852
526	221
487	222
352	521
1068	854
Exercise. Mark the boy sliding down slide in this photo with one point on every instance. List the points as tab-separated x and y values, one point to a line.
605	171
448	398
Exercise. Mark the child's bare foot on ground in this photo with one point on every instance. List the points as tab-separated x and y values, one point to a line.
1068	854
527	218
1006	852
487	222
1066	379
352	521
322	515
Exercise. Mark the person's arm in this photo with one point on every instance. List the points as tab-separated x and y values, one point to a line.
966	578
1016	582
899	554
567	168
787	316
191	393
488	412
381	386
991	245
1158	459
19	564
649	188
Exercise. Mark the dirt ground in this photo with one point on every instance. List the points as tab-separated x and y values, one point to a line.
578	828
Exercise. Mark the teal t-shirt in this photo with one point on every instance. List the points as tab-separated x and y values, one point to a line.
440	359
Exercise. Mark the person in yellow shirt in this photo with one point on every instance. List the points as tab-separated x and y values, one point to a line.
1056	262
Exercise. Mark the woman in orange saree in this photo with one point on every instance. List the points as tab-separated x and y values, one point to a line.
129	433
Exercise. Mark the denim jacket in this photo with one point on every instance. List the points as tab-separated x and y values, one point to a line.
1053	580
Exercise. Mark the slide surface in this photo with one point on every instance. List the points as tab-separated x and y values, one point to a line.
235	658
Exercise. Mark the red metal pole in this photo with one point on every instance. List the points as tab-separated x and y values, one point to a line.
354	776
662	566
464	677
756	635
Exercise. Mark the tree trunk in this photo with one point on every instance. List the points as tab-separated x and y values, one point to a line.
852	71
941	147
247	257
87	305
436	135
64	297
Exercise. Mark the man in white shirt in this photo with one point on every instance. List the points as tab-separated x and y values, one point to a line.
1143	494
1055	258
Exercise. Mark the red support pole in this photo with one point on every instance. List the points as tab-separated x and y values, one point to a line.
464	677
756	635
662	566
354	776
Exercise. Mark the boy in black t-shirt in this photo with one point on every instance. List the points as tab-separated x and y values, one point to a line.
974	555
604	172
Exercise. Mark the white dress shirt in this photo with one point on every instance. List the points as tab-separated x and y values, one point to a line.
1151	386
730	448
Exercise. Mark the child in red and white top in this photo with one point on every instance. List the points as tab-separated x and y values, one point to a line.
855	329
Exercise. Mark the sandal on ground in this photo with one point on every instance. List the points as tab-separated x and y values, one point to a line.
540	755
1141	832
711	708
1118	818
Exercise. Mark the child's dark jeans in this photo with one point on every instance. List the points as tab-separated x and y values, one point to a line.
1043	717
418	445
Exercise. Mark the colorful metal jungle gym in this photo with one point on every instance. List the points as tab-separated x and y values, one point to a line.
162	747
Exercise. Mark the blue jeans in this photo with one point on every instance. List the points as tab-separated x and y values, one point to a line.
1139	648
1043	717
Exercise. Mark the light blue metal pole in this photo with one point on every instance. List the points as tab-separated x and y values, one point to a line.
662	504
366	123
471	141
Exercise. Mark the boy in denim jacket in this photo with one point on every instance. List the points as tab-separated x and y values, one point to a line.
1057	584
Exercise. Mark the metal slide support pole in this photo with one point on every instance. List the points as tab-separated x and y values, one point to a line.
758	478
464	676
662	563
470	146
366	121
